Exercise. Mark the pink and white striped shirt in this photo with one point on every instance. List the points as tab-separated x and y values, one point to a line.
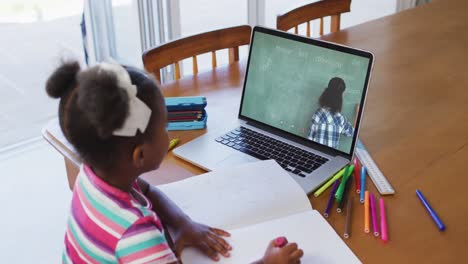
107	225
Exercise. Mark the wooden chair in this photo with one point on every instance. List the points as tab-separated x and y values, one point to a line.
317	10
173	52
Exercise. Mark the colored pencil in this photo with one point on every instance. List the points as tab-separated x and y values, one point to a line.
330	200
357	178
363	183
375	227
366	212
173	143
341	187
347	232
329	183
345	194
383	221
431	211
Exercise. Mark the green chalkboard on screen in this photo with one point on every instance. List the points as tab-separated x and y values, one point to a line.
287	78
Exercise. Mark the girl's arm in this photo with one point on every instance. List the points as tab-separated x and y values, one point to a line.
167	210
186	232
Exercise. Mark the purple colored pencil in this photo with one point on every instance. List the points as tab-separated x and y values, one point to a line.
332	196
375	227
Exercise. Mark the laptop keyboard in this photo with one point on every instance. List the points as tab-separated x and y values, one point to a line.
291	158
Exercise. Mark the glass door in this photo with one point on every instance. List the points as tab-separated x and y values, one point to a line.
36	36
124	29
114	29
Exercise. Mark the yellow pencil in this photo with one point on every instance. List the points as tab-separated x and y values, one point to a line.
173	143
329	183
366	212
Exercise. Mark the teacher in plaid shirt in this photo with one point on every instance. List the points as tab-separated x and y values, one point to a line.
328	124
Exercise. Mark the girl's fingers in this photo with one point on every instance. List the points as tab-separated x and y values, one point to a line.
209	251
296	255
216	246
221	241
290	248
220	232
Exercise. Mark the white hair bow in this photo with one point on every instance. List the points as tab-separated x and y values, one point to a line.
138	112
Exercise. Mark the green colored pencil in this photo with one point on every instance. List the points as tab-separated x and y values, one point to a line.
347	174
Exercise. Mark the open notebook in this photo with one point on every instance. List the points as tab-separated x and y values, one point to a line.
257	202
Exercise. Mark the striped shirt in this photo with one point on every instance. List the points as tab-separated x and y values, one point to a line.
327	127
107	225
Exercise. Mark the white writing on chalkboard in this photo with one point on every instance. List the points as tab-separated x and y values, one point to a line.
319	59
266	66
284	50
354	91
324	60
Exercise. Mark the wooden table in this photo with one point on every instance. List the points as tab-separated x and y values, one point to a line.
415	126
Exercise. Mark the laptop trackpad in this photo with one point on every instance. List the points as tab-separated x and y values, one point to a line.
235	159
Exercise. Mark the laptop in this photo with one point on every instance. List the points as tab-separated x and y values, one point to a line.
301	105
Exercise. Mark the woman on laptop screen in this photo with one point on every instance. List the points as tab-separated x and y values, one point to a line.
328	124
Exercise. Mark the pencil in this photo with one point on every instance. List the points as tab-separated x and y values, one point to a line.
347	232
173	143
330	200
431	211
346	175
329	183
357	178
345	194
339	191
375	227
383	221
366	212
363	183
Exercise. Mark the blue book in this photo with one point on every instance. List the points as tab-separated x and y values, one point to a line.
185	103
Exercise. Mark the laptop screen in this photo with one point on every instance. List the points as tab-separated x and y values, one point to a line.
309	88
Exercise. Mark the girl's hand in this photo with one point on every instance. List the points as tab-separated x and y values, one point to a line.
207	239
288	254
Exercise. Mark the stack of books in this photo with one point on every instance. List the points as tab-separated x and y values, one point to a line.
186	113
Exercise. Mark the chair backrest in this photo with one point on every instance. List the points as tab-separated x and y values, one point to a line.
317	10
173	52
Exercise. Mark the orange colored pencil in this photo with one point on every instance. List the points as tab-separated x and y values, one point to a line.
366	212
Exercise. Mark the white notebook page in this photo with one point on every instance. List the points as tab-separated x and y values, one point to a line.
241	196
309	229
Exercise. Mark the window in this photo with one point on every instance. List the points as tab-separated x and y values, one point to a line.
35	36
